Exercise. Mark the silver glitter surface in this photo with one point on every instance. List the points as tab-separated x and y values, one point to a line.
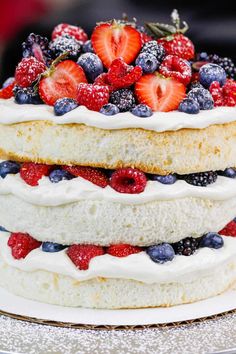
208	336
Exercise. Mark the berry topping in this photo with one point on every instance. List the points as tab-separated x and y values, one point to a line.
203	97
73	31
61	81
212	240
92	96
229	172
155	49
123	99
65	44
91	174
31	172
9	167
225	95
190	106
26	95
64	105
168	179
22	244
159	93
201	179
186	247
211	72
28	71
147	62
226	63
7	91
102	80
59	175
128	180
121	75
87	47
52	247
91	64
114	40
161	253
36	46
123	250
81	255
142	110
229	229
8	82
179	69
109	109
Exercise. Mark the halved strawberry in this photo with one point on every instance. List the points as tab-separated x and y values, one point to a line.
159	93
113	40
61	81
7	92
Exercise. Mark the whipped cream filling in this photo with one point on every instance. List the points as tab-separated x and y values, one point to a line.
12	112
137	266
65	192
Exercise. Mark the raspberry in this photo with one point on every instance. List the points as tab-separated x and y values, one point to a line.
178	44
179	69
121	75
81	255
128	180
73	31
102	80
7	92
91	174
229	229
28	71
31	172
93	96
123	250
224	96
22	244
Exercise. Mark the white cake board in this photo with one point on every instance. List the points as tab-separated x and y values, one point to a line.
16	305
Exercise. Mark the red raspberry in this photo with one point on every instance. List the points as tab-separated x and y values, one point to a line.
128	180
7	92
217	93
28	70
178	44
74	31
225	95
229	229
22	244
179	69
102	80
123	250
31	172
121	75
81	255
93	175
93	96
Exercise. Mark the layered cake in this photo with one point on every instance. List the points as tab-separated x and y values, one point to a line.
117	172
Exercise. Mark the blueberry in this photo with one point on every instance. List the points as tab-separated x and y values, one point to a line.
64	105
234	219
91	65
142	110
195	84
161	253
9	167
211	72
8	82
52	247
203	97
26	95
148	62
109	109
169	179
188	105
229	172
59	175
87	47
2	229
212	240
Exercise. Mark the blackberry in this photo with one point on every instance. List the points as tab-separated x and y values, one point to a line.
226	63
123	99
27	95
186	247
201	179
65	44
37	46
152	47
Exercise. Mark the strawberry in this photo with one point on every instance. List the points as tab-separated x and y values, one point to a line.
22	244
123	250
102	80
159	93
61	81
28	71
7	92
31	172
92	96
91	174
179	69
121	75
73	31
113	40
179	45
229	229
128	180
81	255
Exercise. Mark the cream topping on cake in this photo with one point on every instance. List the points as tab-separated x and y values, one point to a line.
160	121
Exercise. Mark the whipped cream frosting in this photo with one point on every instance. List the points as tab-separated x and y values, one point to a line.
136	266
11	112
65	192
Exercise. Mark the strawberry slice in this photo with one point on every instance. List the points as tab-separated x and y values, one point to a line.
159	93
7	92
113	40
61	81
